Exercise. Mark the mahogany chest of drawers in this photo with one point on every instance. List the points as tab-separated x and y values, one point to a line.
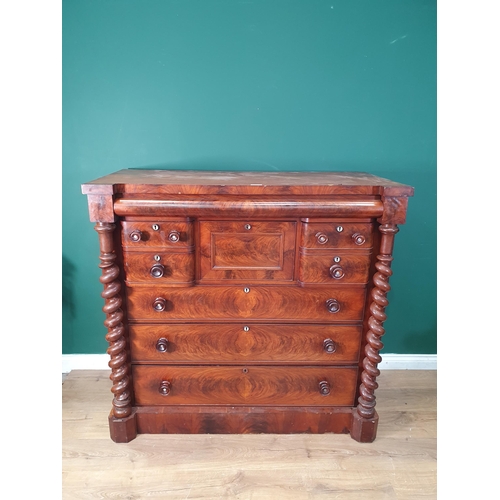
241	302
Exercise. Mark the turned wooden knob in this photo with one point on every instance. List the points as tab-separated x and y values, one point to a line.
329	345
135	235
164	388
321	238
336	271
159	304
157	271
324	388
358	238
162	345
333	305
174	236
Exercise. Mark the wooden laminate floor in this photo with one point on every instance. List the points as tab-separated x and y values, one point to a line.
400	464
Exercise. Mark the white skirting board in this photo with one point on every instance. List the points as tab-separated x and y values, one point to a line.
389	362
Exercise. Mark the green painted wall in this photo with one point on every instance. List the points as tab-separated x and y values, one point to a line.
252	85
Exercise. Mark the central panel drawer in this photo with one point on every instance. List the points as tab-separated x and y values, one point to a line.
247	250
237	385
240	343
314	304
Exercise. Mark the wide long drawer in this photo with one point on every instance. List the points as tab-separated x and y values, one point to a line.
237	385
315	304
240	343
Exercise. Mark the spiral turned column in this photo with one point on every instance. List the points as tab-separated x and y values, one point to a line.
114	322
366	400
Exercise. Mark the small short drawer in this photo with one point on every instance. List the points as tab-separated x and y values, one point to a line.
242	385
334	268
242	343
159	268
315	304
163	234
336	235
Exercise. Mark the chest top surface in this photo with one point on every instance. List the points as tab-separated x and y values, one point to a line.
198	182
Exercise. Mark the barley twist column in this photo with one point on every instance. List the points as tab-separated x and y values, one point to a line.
366	419
114	322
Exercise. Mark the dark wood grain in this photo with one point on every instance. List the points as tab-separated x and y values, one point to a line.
150	238
200	182
243	419
247	250
252	385
334	267
261	302
216	206
240	343
157	268
335	234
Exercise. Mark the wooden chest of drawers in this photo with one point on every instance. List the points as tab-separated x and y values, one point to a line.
242	302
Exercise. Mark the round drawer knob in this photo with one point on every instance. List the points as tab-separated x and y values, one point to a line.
336	271
162	345
321	238
174	236
157	271
358	238
248	227
165	388
136	235
324	388
333	305
329	346
159	304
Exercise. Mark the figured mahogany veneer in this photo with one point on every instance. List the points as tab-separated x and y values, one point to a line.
164	234
275	303
244	385
245	301
334	267
159	267
336	234
257	251
245	343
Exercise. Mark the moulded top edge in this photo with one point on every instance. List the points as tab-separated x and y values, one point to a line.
198	182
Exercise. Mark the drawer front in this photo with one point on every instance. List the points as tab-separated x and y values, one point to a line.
227	343
253	385
247	250
334	268
336	235
315	304
158	268
162	234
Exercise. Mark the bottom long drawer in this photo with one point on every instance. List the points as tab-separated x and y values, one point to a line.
240	385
